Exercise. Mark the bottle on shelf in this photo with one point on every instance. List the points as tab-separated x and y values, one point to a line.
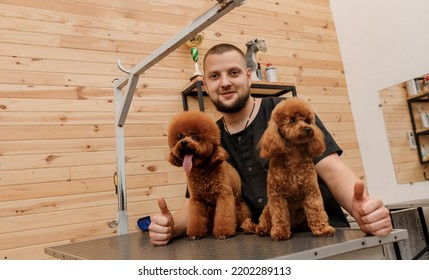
423	153
425	84
413	87
424	122
270	73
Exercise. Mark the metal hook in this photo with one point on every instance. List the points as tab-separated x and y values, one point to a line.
121	67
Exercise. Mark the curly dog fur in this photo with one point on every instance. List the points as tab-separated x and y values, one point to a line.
216	204
291	141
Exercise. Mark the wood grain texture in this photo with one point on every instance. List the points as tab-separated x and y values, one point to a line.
57	134
393	102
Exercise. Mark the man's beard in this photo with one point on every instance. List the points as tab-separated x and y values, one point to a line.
233	108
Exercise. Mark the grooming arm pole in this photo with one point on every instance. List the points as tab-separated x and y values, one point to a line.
178	40
122	103
122	214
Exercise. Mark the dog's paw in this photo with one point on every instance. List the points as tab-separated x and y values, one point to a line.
280	233
261	231
224	233
194	237
220	237
263	228
196	232
280	237
327	231
248	226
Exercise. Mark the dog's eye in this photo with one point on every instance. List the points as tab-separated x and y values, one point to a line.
195	138
308	121
292	120
181	136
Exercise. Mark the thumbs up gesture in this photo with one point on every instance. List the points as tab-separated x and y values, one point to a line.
162	224
370	213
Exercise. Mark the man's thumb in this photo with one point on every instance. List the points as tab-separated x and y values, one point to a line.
359	190
163	206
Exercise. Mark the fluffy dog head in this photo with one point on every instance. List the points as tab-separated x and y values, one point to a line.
292	126
194	141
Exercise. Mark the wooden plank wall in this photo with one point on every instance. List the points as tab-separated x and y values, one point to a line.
57	137
393	101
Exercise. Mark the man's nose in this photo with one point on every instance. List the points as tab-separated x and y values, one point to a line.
225	82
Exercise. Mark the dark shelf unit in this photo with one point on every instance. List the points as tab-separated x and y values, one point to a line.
418	133
258	89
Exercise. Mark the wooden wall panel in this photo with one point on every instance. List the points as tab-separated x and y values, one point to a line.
393	101
57	134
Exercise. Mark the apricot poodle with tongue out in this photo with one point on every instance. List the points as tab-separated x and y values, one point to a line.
215	203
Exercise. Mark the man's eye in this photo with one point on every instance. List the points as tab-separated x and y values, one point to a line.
213	76
235	73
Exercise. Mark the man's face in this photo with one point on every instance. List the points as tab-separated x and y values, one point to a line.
227	80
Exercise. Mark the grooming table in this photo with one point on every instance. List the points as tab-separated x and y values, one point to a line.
346	244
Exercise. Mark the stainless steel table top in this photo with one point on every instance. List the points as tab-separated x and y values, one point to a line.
136	246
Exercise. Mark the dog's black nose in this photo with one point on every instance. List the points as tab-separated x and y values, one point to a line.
308	130
184	144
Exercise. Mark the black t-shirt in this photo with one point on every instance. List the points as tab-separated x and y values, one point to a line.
253	170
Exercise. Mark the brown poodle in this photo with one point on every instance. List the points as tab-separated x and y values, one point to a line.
291	141
216	204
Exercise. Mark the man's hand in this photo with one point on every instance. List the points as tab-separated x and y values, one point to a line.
370	213
161	226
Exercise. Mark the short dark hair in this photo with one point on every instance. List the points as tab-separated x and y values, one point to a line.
223	48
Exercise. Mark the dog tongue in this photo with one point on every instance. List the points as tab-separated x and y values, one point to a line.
187	163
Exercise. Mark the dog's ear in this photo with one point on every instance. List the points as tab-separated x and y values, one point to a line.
271	142
174	160
219	155
316	146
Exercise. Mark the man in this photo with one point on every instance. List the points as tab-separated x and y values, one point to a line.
227	80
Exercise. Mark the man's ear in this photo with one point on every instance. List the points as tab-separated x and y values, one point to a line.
249	76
